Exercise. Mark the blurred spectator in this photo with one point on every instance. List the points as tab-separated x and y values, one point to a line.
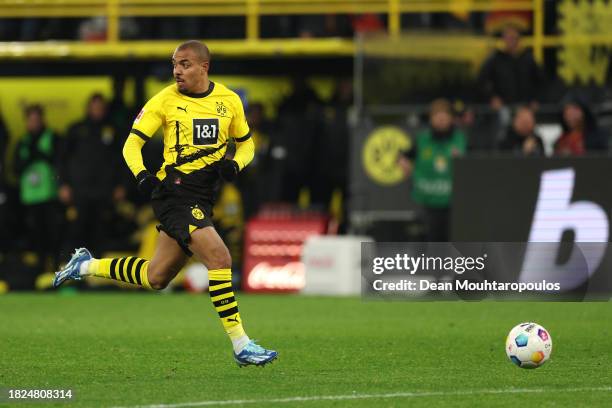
497	20
367	23
35	162
331	146
37	29
465	116
254	181
521	137
301	99
430	164
95	29
328	25
92	174
119	114
459	19
277	26
581	132
7	216
511	75
293	143
4	141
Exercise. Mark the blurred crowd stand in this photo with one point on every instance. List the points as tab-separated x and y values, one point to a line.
74	189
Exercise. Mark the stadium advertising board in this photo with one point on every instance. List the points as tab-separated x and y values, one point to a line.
521	228
377	182
520	199
558	208
272	251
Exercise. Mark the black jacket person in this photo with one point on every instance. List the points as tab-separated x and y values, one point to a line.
91	172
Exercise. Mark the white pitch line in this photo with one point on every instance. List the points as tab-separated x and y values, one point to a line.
369	396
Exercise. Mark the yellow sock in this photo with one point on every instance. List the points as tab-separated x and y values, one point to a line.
131	270
222	296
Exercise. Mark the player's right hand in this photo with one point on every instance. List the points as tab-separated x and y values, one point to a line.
147	182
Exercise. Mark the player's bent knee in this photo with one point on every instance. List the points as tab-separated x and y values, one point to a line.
219	258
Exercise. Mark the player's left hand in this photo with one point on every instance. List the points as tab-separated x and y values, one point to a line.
228	169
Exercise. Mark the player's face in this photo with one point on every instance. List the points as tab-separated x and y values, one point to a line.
189	71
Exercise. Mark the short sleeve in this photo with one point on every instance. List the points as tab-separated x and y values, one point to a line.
239	128
149	119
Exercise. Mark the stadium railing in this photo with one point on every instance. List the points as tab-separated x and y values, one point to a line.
252	10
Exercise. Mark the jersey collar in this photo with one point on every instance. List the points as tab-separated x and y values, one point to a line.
201	94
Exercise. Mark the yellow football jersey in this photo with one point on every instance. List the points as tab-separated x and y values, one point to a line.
196	127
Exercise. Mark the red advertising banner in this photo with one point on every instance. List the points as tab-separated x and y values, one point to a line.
272	250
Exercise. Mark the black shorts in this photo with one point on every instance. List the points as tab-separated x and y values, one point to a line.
181	207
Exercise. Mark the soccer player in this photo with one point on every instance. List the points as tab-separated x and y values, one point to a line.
198	117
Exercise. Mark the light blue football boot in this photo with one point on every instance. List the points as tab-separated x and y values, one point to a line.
71	270
254	354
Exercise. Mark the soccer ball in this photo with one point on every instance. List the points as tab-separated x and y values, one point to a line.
528	345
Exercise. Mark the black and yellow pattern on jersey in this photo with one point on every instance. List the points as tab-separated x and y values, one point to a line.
196	127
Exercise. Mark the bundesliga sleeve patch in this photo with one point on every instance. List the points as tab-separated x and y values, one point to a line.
142	111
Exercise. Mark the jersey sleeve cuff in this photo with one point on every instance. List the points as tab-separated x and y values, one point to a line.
243	138
140	134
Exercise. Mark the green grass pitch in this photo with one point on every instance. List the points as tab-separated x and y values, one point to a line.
141	349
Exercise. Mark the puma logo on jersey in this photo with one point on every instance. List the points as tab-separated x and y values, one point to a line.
235	319
183	109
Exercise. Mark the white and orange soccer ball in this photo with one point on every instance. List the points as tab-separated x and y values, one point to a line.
528	345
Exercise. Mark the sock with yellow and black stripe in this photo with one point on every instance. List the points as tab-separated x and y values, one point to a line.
130	269
222	296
